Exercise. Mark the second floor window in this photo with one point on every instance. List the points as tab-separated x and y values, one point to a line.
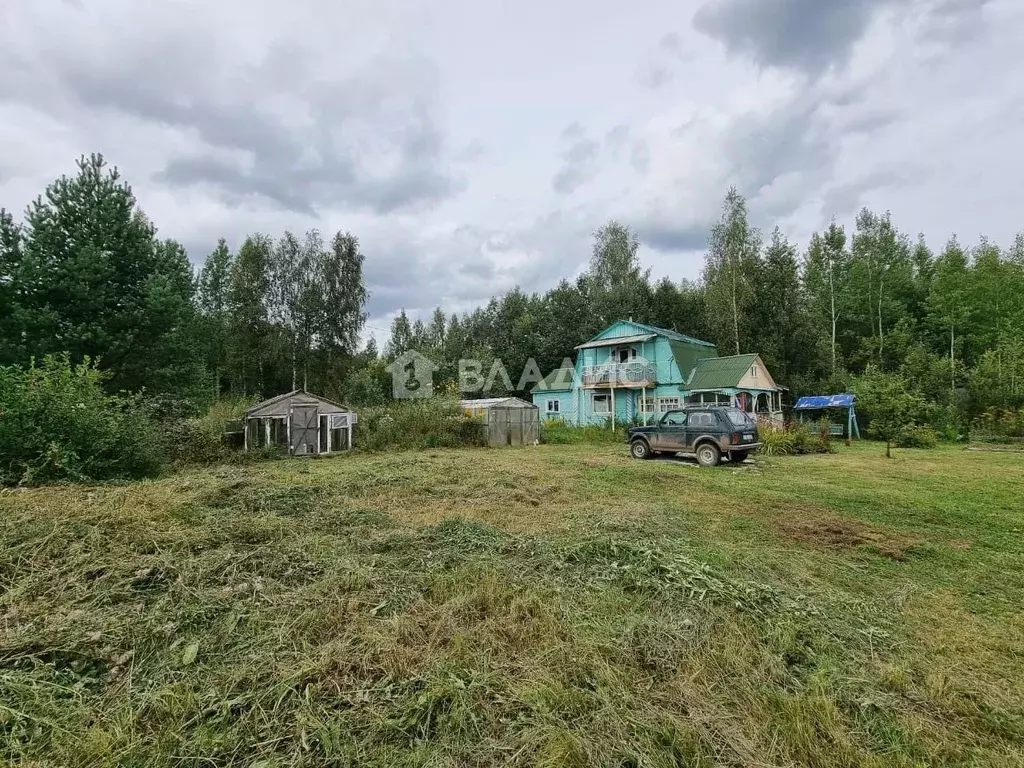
623	355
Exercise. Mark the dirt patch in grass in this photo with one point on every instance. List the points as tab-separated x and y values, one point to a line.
839	534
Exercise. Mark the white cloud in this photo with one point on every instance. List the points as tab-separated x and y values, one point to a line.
438	134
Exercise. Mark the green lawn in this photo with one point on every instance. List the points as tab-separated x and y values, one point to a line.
552	605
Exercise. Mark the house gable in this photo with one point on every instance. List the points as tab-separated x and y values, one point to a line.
757	376
732	372
673	354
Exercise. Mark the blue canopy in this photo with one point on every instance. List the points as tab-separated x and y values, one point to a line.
824	401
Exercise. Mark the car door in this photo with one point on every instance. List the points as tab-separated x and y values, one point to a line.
698	423
672	434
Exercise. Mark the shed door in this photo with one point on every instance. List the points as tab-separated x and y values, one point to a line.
304	429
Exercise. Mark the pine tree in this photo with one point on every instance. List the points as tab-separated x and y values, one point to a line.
248	306
213	298
94	282
11	243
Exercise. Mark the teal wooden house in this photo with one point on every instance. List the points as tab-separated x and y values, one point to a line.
632	372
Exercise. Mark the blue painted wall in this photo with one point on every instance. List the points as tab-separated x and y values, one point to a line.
566	405
576	406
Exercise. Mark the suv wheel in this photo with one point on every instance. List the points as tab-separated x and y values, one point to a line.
738	457
707	455
640	449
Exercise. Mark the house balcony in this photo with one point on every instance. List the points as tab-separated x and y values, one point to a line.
634	374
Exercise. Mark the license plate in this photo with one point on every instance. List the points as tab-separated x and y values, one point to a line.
748	437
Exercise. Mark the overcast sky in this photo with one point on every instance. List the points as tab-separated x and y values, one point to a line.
473	145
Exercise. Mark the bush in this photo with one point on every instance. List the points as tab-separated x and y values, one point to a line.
424	423
811	439
999	425
916	436
204	440
558	432
58	423
795	439
776	441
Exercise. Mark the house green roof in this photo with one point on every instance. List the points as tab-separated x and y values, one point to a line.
672	335
559	380
719	372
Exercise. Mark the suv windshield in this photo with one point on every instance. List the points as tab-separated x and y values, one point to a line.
738	417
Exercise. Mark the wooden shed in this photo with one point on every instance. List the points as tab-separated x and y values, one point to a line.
301	422
509	420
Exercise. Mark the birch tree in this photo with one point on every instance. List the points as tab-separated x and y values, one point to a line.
826	278
949	299
730	271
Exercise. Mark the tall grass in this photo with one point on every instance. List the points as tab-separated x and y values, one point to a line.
559	432
999	425
420	423
205	439
795	439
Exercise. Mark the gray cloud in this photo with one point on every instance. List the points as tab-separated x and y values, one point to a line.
956	21
807	35
654	77
672	43
640	156
675	239
407	126
616	138
661	64
813	36
579	161
459	269
847	198
281	132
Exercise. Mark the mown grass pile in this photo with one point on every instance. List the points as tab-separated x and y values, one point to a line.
555	606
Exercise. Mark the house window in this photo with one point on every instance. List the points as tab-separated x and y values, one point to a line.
647	405
668	404
753	370
623	355
602	404
553	406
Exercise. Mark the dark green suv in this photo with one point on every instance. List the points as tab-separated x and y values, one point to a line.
706	431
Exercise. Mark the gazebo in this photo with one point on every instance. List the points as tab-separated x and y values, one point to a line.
301	422
826	403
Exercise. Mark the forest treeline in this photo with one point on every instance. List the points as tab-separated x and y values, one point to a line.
84	272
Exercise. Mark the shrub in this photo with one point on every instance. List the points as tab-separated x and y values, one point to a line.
890	405
776	441
916	436
58	423
203	440
424	423
999	425
814	438
797	439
